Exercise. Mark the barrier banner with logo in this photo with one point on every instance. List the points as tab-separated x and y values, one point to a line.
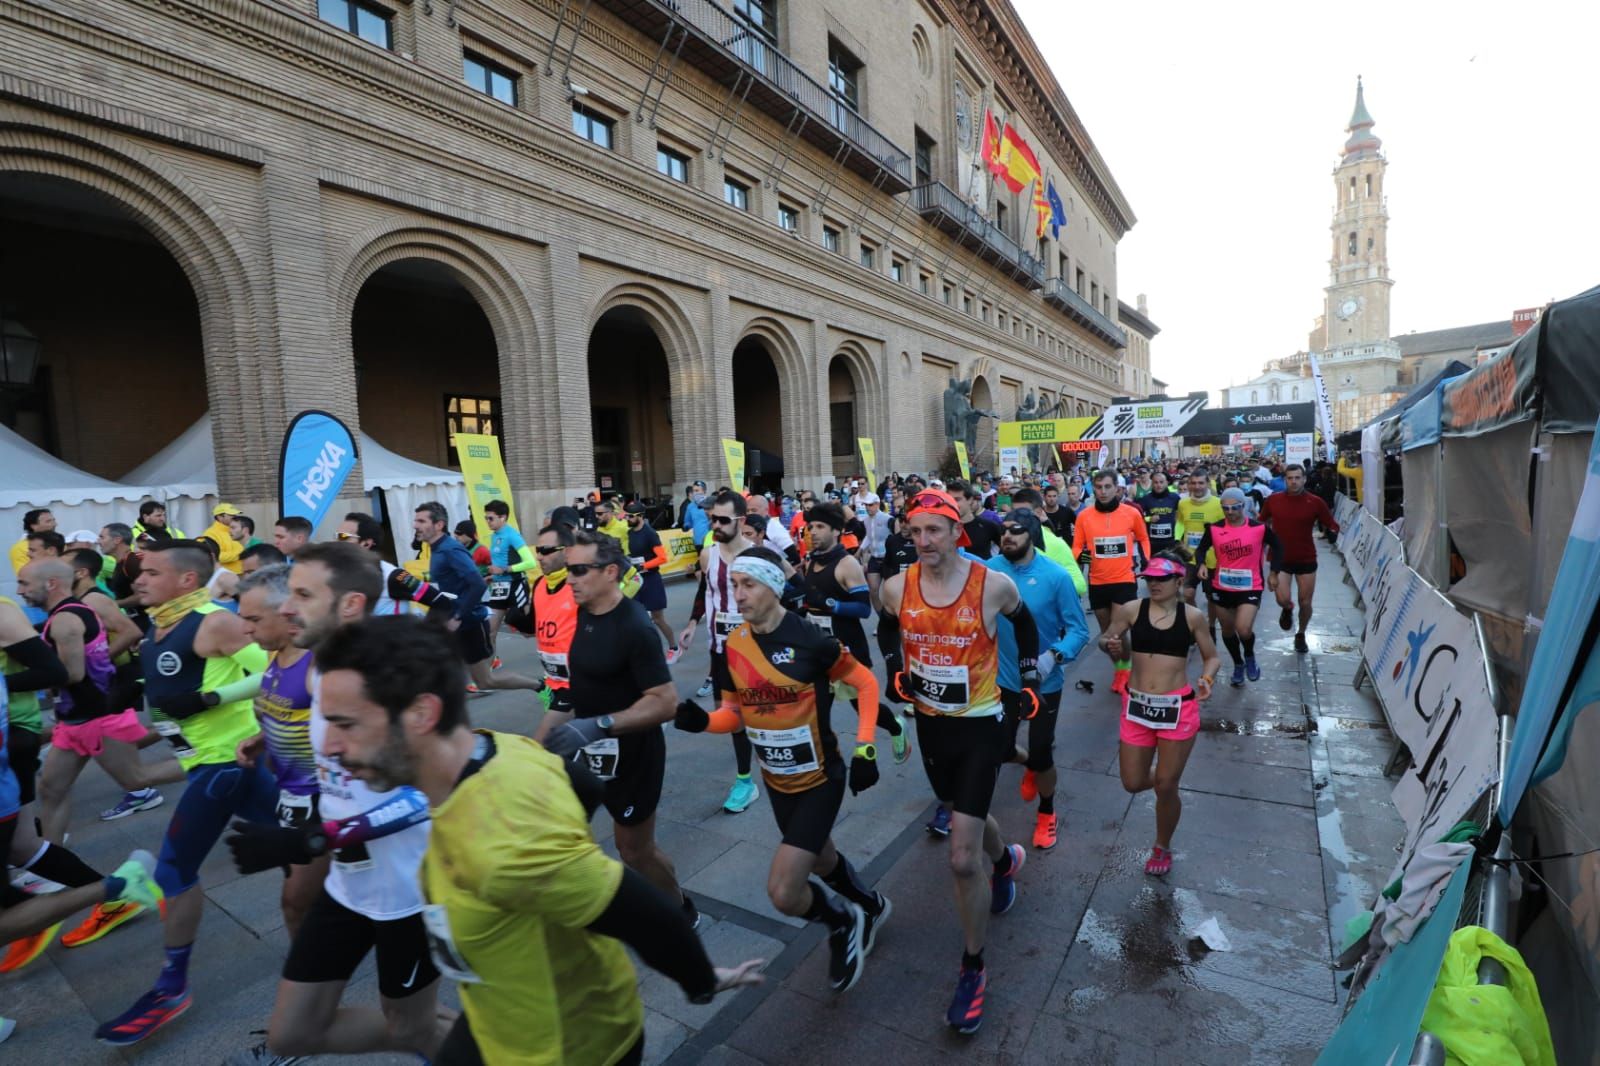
961	460
1043	431
1361	550
1145	418
682	551
869	461
1263	418
1430	675
485	474
318	454
733	455
1010	460
1499	393
1299	447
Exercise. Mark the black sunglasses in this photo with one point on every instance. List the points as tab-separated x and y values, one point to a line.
579	569
548	551
722	520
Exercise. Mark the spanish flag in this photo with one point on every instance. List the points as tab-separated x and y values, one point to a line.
990	152
1021	166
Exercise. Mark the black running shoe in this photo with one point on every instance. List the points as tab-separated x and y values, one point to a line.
845	948
1300	644
875	920
1286	619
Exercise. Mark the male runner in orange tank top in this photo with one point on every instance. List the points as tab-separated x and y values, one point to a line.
947	607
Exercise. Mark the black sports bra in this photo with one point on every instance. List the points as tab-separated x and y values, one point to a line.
1175	640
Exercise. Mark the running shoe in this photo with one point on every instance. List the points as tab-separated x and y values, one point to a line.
940	826
143	799
104	918
152	1011
21	952
690	911
1029	788
845	955
704	690
7	1027
472	690
1119	681
1300	644
1044	831
1237	680
966	1009
34	885
496	664
900	745
1160	862
741	795
1003	887
1286	618
1252	669
673	655
875	920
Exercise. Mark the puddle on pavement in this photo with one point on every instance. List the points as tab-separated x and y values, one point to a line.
1253	727
1337	647
1335	724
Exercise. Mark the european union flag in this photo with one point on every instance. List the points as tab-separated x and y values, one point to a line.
1058	212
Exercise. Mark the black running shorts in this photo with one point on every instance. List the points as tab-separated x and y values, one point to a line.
334	939
806	818
962	758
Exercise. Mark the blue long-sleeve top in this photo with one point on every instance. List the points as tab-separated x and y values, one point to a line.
1052	599
698	522
452	569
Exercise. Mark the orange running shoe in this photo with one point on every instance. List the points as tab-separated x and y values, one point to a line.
21	952
104	918
1029	787
1119	681
1044	831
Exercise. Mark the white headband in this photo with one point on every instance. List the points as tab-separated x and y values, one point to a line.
767	573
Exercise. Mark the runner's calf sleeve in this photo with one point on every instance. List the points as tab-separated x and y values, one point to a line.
1231	642
825	909
842	879
1249	646
41	667
642	917
55	863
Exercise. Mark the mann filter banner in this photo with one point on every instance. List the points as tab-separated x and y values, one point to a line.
961	459
733	455
869	461
318	454
1044	431
682	551
1146	418
485	474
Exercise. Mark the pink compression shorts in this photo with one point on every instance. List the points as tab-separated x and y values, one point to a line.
89	738
1143	736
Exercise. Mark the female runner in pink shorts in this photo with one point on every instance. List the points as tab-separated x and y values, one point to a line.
1160	710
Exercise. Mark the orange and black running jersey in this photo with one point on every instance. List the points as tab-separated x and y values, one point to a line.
555	620
782	690
1110	537
952	660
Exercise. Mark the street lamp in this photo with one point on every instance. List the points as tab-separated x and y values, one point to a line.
19	354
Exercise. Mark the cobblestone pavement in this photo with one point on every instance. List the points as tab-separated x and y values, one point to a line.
1287	828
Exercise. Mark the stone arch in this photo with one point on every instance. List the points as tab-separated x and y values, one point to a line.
802	444
492	284
206	247
982	397
869	391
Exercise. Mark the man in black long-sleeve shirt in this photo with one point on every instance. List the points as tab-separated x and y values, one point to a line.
521	898
452	569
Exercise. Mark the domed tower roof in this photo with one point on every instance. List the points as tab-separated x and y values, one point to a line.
1363	141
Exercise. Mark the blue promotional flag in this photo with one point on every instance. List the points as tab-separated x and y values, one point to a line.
1058	212
318	454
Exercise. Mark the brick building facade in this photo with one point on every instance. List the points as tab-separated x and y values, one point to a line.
613	232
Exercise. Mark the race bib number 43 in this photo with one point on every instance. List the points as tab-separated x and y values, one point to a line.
602	758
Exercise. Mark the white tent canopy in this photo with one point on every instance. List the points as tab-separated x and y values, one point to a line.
186	469
80	500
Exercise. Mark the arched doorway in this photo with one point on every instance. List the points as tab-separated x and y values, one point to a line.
120	369
426	361
758	414
844	417
983	400
630	405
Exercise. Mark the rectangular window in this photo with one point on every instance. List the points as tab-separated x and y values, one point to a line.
1000	320
674	165
924	158
832	239
469	414
1000	217
983	313
1369	186
759	15
789	218
897	270
1080	281
736	194
1061	261
844	84
367	21
842	427
593	126
925	284
966	304
869	257
949	295
1094	293
489	77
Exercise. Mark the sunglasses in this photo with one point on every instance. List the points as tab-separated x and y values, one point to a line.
579	569
1233	507
722	520
342	535
1016	531
1151	579
548	550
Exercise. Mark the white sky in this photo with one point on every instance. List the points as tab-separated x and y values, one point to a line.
1222	123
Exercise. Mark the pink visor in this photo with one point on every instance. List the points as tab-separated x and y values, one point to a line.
1162	568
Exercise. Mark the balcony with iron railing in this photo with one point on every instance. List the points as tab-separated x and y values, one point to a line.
737	55
944	208
1064	298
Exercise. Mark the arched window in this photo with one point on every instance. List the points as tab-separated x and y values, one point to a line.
1352	242
1294	393
1255	397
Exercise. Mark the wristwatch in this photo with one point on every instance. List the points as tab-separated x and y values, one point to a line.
867	751
605	723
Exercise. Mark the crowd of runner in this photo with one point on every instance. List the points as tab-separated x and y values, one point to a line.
310	698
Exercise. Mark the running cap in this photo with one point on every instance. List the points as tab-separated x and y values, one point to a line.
1024	518
868	497
633	507
940	503
83	536
1233	495
226	509
1159	567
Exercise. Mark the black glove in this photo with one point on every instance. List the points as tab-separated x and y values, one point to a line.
188	704
691	718
863	771
568	737
258	847
817	601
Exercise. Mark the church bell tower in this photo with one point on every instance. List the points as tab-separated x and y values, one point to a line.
1357	303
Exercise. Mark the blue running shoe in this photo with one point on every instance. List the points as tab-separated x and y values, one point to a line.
1237	680
1003	887
1251	669
151	1012
966	1009
940	826
740	796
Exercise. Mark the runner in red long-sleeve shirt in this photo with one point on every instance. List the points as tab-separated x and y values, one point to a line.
1293	515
